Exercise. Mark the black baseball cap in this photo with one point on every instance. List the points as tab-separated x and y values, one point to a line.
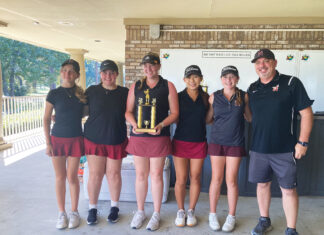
230	69
151	58
192	69
263	53
108	65
75	65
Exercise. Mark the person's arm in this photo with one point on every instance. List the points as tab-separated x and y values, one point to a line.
306	124
210	112
130	107
247	110
174	110
47	126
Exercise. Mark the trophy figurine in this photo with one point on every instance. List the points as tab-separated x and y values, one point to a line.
146	114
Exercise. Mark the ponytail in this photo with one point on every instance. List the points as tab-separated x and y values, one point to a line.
204	96
79	93
142	82
238	101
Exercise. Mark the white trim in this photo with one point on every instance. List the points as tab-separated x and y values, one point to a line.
290	80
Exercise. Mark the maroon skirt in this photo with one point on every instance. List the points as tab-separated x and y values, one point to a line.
149	146
115	152
184	149
224	150
67	147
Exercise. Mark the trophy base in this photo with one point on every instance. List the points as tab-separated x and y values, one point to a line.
144	130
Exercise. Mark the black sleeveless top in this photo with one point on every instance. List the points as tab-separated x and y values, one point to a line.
161	93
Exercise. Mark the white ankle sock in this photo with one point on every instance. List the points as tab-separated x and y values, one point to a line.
92	206
113	203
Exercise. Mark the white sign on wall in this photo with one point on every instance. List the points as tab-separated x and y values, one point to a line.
306	65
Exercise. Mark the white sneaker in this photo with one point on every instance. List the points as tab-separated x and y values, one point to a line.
213	222
138	219
191	218
180	221
62	221
154	222
229	224
74	219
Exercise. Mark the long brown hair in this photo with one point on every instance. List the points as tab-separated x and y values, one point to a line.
79	93
239	100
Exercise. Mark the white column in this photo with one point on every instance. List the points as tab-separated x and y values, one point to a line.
120	78
78	55
3	144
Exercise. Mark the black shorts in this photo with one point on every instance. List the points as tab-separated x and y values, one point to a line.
283	165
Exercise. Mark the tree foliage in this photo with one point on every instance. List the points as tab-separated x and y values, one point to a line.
25	66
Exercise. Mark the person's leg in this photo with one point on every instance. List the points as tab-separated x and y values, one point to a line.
181	170
264	198
97	167
290	206
74	184
232	168
195	176
113	174
59	164
156	173
217	165
142	167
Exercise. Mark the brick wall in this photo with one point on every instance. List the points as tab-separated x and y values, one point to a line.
138	42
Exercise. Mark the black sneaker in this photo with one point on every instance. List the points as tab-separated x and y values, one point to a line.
113	215
92	216
291	231
262	227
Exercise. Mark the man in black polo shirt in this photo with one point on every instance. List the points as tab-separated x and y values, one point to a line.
275	99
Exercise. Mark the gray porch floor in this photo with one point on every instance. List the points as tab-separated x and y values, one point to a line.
28	206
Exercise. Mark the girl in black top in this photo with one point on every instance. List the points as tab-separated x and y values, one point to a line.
150	150
65	144
227	110
189	143
105	138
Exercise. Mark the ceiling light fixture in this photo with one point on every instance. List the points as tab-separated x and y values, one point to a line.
65	23
97	40
36	23
3	24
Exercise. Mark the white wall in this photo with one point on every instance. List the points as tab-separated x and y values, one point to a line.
212	61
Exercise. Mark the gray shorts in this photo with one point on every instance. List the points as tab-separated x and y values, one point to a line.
283	165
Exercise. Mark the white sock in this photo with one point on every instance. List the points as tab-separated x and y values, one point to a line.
92	206
113	203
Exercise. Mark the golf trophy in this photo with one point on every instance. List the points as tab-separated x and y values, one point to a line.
146	114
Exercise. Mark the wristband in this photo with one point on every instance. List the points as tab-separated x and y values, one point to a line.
305	144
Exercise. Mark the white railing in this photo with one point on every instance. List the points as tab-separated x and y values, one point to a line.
22	114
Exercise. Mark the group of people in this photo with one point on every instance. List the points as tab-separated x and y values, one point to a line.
271	104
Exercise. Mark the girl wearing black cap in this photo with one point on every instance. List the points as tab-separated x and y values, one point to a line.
65	143
227	110
150	150
189	143
105	138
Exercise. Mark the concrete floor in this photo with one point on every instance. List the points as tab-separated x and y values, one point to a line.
28	206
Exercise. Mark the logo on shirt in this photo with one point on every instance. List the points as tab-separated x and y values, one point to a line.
275	88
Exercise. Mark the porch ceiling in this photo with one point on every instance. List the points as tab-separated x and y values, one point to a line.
64	24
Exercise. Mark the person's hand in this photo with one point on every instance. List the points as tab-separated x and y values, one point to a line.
300	151
158	128
49	150
134	128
